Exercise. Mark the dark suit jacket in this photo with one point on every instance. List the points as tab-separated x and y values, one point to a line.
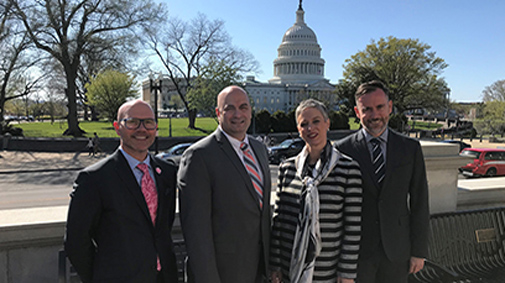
110	236
226	232
397	214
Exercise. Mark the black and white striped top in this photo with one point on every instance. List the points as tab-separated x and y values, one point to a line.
340	197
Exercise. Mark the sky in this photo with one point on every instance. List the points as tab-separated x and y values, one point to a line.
468	35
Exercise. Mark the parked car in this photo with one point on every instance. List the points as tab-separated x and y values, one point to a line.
286	149
485	162
174	153
462	144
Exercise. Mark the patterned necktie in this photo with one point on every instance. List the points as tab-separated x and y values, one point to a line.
149	191
151	197
252	169
378	160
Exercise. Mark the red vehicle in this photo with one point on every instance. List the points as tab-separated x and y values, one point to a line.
486	162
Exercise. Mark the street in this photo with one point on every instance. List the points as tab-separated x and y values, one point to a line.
42	188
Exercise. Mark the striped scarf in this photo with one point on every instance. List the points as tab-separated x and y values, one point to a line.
307	242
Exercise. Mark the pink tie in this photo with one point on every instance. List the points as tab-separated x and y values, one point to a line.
149	191
252	168
151	196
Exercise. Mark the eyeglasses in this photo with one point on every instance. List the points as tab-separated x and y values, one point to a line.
134	123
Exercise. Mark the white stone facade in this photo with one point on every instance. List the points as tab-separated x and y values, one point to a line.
298	72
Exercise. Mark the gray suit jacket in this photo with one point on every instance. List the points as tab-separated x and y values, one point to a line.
226	232
397	214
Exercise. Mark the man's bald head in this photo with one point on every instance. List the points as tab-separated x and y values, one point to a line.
128	105
234	111
221	97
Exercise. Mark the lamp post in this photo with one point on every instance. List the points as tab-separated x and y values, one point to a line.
156	86
170	121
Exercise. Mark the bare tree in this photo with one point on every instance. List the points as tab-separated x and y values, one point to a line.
186	48
66	29
494	92
14	62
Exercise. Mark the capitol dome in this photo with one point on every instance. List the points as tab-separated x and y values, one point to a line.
299	55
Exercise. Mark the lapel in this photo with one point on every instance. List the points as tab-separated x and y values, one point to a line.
395	154
161	187
237	163
365	160
265	169
128	181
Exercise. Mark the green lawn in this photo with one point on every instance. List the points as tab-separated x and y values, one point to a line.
105	129
179	127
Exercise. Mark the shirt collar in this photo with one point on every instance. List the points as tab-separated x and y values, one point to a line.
383	137
134	162
233	141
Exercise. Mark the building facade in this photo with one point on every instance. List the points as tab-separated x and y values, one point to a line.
298	72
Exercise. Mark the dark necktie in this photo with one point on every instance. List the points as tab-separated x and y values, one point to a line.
252	169
378	160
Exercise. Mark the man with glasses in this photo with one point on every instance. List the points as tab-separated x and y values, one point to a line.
122	208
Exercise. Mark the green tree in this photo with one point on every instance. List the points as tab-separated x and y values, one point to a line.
212	79
263	121
109	90
338	120
67	29
493	121
283	122
409	69
494	92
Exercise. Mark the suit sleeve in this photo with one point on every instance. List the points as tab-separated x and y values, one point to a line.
419	207
195	197
82	221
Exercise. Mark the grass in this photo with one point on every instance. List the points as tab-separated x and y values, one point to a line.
179	127
106	130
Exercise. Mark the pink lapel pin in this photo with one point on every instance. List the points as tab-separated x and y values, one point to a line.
158	170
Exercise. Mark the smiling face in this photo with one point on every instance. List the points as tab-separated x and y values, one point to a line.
313	127
135	142
234	111
373	110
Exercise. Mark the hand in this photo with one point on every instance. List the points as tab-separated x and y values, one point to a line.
275	277
344	280
416	264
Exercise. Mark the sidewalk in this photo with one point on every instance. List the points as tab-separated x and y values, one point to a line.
23	161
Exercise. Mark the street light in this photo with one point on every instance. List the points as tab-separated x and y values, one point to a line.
156	86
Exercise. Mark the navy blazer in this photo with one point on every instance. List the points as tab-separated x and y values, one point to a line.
396	215
110	236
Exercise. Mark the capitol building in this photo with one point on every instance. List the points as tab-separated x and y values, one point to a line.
298	72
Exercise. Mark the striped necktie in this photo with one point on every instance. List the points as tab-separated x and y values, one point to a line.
252	169
378	160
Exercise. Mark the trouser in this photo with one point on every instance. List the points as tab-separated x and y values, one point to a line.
379	269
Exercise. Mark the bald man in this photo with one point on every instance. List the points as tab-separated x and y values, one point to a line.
122	209
224	194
